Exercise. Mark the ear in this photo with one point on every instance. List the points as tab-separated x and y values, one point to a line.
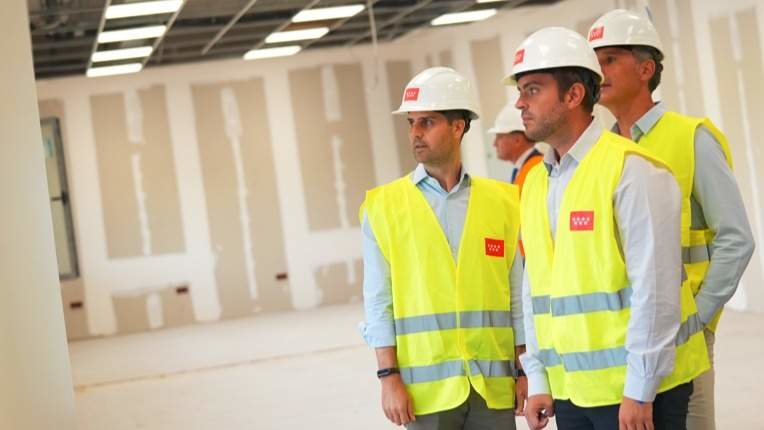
646	70
457	126
575	95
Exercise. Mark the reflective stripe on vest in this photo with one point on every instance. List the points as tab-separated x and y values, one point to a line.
449	369
613	357
695	254
583	303
448	321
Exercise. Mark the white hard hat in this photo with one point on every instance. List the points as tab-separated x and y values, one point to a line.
508	120
550	48
438	89
623	27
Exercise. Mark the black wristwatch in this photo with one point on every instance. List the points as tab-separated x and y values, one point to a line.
519	373
381	373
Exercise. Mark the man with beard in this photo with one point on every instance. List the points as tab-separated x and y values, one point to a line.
601	231
442	286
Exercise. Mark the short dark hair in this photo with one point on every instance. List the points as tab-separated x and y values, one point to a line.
455	114
644	53
567	76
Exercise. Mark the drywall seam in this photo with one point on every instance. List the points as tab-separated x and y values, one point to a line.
234	132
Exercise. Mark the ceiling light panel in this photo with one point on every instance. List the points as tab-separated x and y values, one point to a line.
291	36
142	8
138	33
121	69
121	54
325	13
282	51
461	17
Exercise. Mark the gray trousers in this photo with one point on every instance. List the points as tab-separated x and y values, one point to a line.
473	414
701	415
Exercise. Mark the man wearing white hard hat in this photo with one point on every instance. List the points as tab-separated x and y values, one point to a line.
513	145
442	284
717	241
601	231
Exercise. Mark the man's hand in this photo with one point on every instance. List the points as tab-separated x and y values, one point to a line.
396	401
538	410
521	395
633	415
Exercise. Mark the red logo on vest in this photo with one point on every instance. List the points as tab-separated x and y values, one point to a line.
411	94
596	33
494	247
519	56
582	221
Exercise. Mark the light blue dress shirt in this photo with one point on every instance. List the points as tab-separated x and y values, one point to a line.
716	204
450	208
647	208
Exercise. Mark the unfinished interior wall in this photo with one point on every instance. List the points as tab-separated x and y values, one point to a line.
260	213
240	185
334	140
399	73
137	175
488	66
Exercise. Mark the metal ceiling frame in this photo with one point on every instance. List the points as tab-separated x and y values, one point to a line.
94	48
228	26
211	29
159	39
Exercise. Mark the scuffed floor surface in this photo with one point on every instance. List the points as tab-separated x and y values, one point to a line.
304	370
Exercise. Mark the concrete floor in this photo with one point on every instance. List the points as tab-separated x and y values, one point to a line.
303	370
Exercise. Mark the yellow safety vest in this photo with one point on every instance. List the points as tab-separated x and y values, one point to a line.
579	285
453	326
672	140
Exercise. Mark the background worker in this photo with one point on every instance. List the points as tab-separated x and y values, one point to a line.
442	287
605	316
630	53
513	145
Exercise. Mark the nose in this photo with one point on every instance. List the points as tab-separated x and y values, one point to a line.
415	132
520	103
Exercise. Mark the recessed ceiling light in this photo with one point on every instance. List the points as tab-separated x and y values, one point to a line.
328	13
460	17
132	34
122	54
290	36
114	70
142	8
282	51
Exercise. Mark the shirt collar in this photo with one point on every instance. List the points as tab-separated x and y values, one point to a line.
420	174
646	122
578	151
524	157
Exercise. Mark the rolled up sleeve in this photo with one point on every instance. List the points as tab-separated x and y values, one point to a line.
378	329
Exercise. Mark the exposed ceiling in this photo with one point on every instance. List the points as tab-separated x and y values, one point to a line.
64	31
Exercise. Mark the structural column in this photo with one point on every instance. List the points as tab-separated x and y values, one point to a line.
35	377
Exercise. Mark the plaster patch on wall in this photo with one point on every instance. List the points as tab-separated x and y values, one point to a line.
234	132
339	283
